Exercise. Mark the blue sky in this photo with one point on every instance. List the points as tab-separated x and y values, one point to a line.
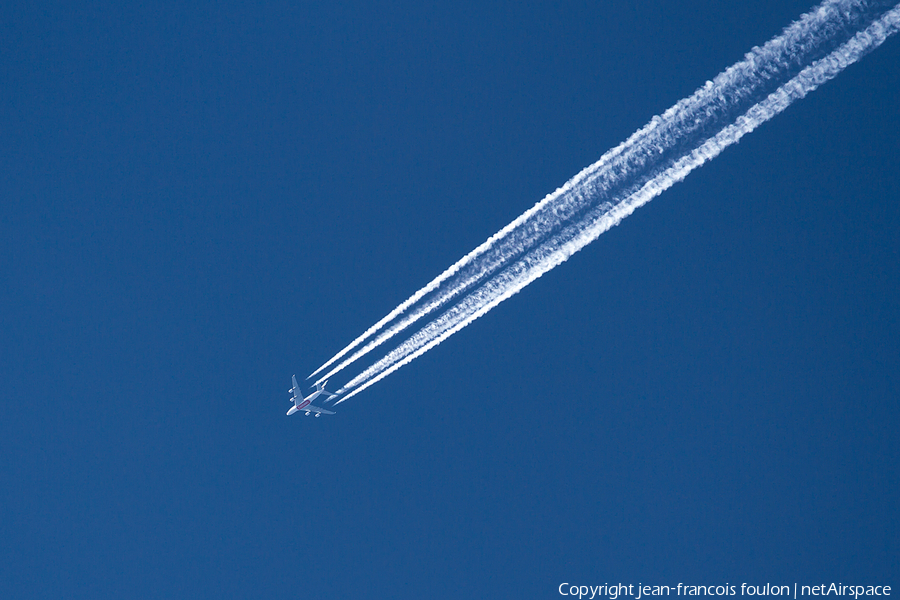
201	200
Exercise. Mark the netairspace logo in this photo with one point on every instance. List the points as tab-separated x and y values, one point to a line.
639	591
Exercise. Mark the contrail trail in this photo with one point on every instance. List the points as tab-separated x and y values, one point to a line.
633	159
810	52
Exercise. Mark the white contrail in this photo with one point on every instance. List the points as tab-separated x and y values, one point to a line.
631	175
645	152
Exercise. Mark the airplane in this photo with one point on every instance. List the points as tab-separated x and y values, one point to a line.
305	404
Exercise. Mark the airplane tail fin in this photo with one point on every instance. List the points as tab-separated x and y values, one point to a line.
321	388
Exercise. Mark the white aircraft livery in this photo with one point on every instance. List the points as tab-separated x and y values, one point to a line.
305	404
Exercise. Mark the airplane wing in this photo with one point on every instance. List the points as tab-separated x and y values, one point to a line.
296	388
316	409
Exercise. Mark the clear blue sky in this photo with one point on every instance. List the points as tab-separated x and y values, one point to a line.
198	201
